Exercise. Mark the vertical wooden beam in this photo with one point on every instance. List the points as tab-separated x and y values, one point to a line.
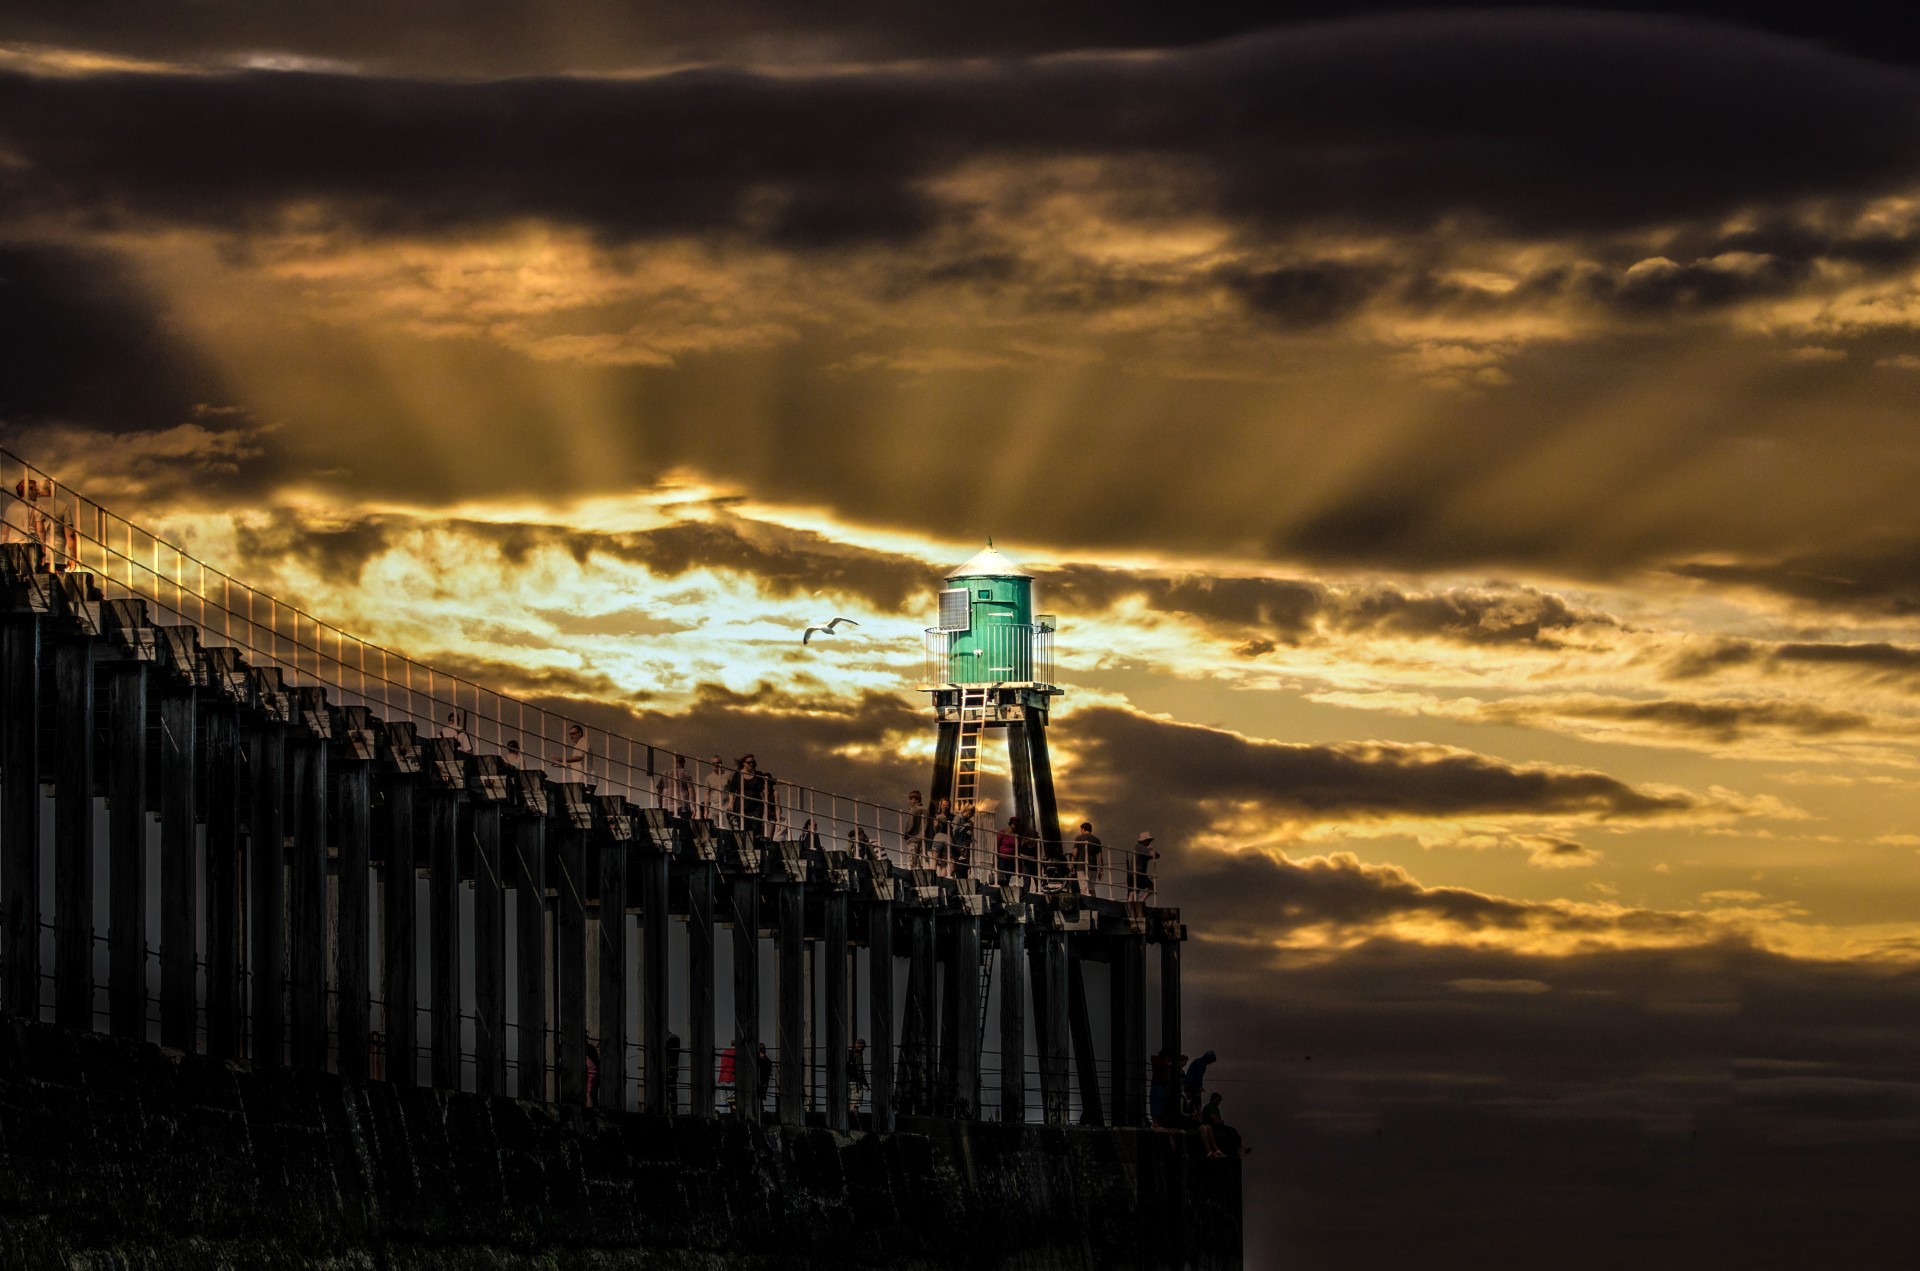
307	903
1122	1002
20	813
441	840
530	968
880	1011
792	1005
965	1096
613	976
749	1097
1135	1066
570	964
1046	809
1170	996
177	882
1013	1022
1086	1063
354	821
946	948
1021	753
1050	1002
655	929
489	952
702	878
266	886
73	837
916	1030
126	771
225	795
399	988
834	948
946	754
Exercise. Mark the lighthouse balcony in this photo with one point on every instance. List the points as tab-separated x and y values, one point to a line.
1009	655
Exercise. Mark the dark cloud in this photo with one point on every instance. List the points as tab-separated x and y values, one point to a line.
82	342
1532	124
1157	771
1882	577
1725	720
1873	659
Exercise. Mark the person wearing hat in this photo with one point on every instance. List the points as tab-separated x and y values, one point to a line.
1140	868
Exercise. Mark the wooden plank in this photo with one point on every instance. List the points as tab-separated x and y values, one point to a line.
570	965
20	813
614	1065
225	793
749	1097
440	842
398	921
73	836
125	762
353	789
880	1011
702	879
791	1012
178	884
655	926
307	903
1013	1022
531	962
965	1095
1085	1062
489	952
833	948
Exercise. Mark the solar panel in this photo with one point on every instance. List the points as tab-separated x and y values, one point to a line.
953	609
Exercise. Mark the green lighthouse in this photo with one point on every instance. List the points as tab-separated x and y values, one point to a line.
989	664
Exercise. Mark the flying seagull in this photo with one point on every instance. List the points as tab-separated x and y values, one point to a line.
828	628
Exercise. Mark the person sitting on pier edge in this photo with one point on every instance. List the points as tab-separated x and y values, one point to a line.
1006	850
747	789
715	803
1087	850
1140	869
1219	1138
1195	1081
857	1074
763	1062
913	824
940	837
963	841
674	789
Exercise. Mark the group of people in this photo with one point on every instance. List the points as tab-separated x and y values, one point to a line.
573	760
741	797
939	838
38	515
1178	1099
1079	864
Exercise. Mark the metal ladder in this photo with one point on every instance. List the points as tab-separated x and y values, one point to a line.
966	773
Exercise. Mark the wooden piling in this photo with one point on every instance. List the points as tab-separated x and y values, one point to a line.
307	902
702	879
833	946
792	1003
399	987
20	813
749	1097
73	835
178	885
440	846
353	788
125	762
489	951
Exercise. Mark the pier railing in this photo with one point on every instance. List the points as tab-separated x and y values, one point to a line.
132	562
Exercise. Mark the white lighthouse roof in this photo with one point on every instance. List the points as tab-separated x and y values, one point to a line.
988	563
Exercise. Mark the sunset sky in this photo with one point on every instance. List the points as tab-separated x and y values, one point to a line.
1471	455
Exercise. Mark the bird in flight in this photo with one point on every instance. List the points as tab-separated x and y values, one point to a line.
808	636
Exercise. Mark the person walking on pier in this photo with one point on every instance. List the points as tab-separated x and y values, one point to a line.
940	837
857	1075
576	758
748	790
963	841
714	800
1006	850
37	515
1140	869
913	825
1087	850
674	789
